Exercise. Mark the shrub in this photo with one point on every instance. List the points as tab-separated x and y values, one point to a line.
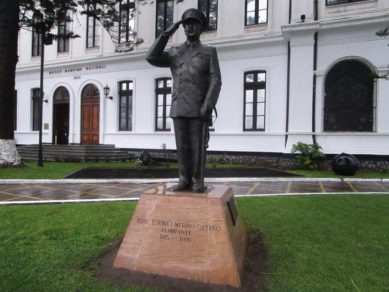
310	154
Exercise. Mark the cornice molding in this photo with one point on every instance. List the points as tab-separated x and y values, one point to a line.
232	43
290	30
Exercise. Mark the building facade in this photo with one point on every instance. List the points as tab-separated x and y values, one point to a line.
292	71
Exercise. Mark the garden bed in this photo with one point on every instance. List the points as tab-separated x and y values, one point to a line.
154	172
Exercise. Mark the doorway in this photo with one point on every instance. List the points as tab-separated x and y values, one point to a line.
61	116
90	115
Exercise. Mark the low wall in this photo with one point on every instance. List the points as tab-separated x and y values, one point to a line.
274	160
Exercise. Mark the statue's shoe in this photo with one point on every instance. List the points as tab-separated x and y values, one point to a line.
196	187
180	187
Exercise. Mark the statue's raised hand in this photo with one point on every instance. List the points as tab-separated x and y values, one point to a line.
172	29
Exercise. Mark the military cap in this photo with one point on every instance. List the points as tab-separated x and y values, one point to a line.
194	14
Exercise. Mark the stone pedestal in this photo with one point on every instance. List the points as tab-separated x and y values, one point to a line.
186	235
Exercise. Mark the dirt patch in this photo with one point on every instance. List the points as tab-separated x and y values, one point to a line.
255	268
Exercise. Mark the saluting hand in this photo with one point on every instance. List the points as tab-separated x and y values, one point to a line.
172	29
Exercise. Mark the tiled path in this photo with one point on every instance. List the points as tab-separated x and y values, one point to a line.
24	192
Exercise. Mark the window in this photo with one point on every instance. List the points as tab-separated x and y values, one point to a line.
209	8
163	95
126	26
61	95
36	43
256	12
337	2
349	104
35	96
92	29
254	101
164	15
125	105
63	30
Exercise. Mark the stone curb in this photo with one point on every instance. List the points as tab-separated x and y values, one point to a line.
44	202
209	180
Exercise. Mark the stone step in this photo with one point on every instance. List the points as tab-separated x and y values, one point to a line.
75	153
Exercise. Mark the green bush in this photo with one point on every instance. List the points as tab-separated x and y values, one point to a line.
310	155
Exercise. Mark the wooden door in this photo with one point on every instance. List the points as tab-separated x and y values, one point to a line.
90	115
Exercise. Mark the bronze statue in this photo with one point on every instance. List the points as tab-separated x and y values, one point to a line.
196	88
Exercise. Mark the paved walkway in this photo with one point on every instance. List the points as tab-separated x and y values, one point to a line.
62	191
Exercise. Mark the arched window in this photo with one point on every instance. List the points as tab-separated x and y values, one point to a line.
61	95
90	92
349	104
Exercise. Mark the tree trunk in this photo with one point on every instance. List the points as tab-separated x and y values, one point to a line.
9	27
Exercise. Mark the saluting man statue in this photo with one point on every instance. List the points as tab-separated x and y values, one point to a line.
196	88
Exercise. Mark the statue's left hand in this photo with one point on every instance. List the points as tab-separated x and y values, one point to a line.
206	110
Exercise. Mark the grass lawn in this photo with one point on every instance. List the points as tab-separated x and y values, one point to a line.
330	174
59	170
53	170
316	243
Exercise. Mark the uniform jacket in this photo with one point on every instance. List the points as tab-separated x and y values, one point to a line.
196	75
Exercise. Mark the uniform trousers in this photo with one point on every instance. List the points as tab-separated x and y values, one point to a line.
188	133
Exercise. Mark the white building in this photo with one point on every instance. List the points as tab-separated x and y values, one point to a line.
291	71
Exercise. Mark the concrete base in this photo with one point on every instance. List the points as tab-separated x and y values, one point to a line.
186	235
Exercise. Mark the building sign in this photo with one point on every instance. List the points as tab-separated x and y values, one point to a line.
79	69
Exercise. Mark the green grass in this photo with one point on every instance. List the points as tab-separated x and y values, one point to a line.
330	174
46	248
332	243
53	170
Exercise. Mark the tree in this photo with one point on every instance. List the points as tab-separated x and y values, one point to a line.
112	15
9	11
43	16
